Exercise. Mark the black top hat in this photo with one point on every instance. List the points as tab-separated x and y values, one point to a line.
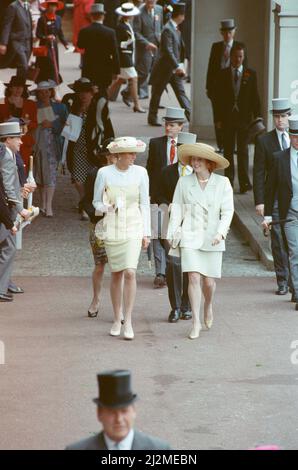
16	81
82	84
178	9
115	389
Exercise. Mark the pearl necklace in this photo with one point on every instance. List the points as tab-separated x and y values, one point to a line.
204	181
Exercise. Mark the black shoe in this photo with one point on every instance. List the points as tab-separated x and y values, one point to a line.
154	122
282	290
13	289
186	315
161	107
294	299
174	316
5	298
125	98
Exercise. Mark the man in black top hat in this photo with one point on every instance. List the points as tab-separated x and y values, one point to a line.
117	413
169	66
101	58
220	59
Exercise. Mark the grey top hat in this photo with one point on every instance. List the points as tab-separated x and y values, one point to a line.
175	115
293	125
186	138
10	129
228	24
97	8
281	105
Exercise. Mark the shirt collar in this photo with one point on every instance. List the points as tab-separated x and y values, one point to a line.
125	444
279	133
230	44
294	153
98	21
240	69
172	138
174	23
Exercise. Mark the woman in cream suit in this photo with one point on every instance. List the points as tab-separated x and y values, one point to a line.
201	215
121	192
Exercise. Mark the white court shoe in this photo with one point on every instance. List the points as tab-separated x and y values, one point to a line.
128	332
195	332
116	329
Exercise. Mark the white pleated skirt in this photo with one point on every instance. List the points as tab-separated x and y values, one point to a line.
207	263
128	72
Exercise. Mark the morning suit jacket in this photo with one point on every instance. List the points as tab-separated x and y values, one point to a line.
171	54
147	28
167	184
248	100
198	215
266	145
123	34
214	66
15	30
101	59
141	442
11	182
279	183
157	160
5	216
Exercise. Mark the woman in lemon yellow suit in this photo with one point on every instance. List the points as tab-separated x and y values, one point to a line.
121	192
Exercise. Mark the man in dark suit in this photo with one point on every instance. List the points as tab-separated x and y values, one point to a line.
117	413
237	103
162	152
101	59
147	27
220	59
169	67
283	181
265	147
16	37
176	282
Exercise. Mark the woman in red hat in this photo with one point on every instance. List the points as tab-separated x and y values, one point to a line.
49	30
18	105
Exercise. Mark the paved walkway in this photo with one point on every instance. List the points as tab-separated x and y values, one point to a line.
235	387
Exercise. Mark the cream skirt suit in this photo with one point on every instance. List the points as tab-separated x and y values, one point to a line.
197	216
122	231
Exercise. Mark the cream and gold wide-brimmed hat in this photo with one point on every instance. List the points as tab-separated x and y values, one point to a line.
126	145
186	151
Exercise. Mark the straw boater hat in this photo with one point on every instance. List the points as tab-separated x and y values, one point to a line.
115	389
127	9
186	151
59	5
127	145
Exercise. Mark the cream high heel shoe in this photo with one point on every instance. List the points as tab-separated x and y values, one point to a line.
195	332
208	319
116	329
128	332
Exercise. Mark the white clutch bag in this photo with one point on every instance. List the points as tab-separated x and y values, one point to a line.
72	128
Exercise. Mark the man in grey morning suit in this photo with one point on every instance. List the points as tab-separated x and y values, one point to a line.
16	37
147	27
168	68
266	144
10	136
283	182
116	411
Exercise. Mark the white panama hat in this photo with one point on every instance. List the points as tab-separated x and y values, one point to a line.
187	151
126	145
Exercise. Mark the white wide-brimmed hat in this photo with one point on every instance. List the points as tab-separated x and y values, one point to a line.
127	9
127	145
44	85
187	151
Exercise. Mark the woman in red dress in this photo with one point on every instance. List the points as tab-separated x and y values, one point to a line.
17	105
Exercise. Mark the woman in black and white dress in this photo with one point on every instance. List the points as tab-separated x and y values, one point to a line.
126	42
